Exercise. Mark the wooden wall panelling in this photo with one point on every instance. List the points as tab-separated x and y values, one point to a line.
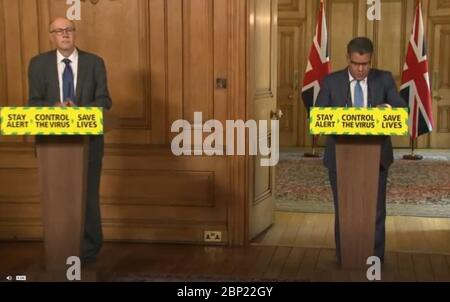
175	64
292	9
43	19
158	71
390	36
200	172
30	45
439	8
221	54
143	195
149	187
3	77
14	67
161	67
20	209
13	50
344	16
198	58
140	198
19	185
29	39
199	31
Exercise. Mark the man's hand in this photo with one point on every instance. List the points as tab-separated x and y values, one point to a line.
67	103
60	104
385	105
70	104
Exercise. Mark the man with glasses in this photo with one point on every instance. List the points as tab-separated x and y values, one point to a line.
360	86
68	76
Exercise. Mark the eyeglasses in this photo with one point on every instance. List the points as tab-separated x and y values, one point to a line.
61	31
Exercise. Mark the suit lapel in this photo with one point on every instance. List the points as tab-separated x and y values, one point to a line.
370	89
80	76
53	77
345	89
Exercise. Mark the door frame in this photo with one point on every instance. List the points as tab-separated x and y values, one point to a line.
238	166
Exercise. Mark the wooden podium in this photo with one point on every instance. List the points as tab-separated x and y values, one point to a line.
63	164
63	179
358	168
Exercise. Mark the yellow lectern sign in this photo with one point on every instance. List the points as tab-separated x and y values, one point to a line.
51	121
359	121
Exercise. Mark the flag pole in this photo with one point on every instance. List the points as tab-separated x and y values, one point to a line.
313	153
412	156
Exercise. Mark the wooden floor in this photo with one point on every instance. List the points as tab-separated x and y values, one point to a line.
299	247
160	262
403	234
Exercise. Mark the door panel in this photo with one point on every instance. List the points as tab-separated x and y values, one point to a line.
288	83
262	96
440	73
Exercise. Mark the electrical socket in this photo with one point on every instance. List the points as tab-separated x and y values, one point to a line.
212	236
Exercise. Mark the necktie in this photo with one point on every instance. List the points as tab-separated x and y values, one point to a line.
359	96
68	84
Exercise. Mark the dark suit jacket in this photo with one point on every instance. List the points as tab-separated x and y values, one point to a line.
335	92
91	90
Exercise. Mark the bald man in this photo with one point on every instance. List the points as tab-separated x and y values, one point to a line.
67	76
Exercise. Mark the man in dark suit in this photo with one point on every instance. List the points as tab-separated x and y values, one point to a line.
360	86
67	76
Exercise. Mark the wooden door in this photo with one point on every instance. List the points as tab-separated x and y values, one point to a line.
262	49
288	82
293	31
440	73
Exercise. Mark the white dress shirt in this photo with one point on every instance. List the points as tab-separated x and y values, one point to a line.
364	87
61	66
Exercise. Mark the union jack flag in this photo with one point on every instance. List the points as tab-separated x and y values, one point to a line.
415	88
319	61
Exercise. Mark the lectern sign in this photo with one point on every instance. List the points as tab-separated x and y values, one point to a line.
51	121
359	121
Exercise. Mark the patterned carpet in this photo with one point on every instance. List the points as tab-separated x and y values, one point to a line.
419	188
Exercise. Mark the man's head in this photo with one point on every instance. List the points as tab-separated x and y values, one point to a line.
62	34
359	57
